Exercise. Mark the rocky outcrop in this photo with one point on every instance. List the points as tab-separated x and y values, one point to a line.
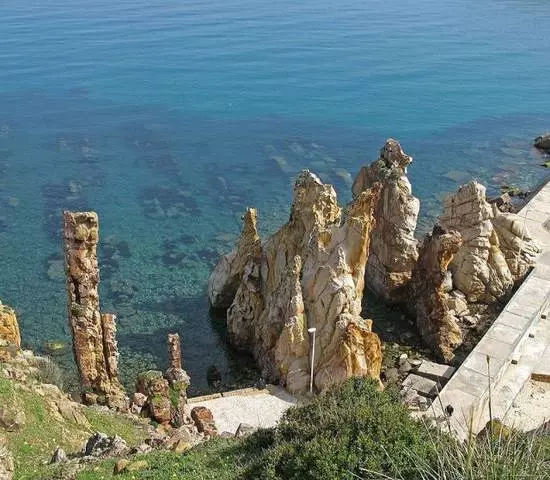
497	249
204	421
163	397
6	460
10	337
94	343
436	320
308	274
543	142
393	248
226	278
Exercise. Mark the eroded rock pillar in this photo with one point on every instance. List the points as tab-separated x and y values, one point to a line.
10	338
94	344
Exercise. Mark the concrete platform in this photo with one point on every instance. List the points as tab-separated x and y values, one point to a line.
516	346
259	408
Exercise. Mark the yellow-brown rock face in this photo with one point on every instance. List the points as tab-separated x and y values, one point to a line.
308	274
94	334
436	322
497	249
10	338
393	249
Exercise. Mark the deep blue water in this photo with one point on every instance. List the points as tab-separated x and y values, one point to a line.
169	118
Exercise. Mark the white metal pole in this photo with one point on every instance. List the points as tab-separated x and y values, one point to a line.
312	330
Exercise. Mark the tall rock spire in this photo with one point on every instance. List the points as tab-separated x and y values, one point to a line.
94	343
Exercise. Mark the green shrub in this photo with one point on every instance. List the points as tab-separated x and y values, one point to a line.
341	433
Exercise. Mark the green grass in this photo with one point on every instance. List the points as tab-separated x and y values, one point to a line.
33	444
219	459
351	432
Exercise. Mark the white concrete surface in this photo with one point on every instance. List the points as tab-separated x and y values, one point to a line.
531	409
259	408
514	344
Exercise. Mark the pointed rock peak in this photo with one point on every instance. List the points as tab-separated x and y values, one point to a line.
306	178
315	203
393	155
250	222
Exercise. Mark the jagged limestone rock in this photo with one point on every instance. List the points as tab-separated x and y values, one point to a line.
310	273
496	252
393	248
94	335
10	337
437	323
225	280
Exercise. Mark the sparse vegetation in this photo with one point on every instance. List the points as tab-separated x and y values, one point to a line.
351	432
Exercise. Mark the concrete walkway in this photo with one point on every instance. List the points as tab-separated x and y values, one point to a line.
259	408
516	344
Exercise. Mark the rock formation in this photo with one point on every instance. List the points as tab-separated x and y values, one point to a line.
435	319
497	250
393	248
543	142
7	467
224	282
10	338
308	274
94	341
163	397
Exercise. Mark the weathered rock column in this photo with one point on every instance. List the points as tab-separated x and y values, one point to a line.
94	344
176	375
436	322
10	338
393	247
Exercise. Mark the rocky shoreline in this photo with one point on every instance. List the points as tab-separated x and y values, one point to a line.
300	291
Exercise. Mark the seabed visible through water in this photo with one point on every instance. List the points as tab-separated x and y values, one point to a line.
170	189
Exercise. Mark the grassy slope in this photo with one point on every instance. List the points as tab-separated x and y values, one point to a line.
33	444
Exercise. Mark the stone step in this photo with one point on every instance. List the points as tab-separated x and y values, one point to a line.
435	371
541	372
423	386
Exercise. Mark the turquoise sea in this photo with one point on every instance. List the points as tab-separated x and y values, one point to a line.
170	117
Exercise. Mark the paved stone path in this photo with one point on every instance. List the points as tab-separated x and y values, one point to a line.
259	408
516	344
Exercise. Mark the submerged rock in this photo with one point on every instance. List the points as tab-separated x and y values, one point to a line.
497	249
308	274
436	322
393	248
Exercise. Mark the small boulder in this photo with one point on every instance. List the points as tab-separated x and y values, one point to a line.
543	142
204	421
100	445
59	456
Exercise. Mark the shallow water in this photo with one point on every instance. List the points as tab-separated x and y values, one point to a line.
170	118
